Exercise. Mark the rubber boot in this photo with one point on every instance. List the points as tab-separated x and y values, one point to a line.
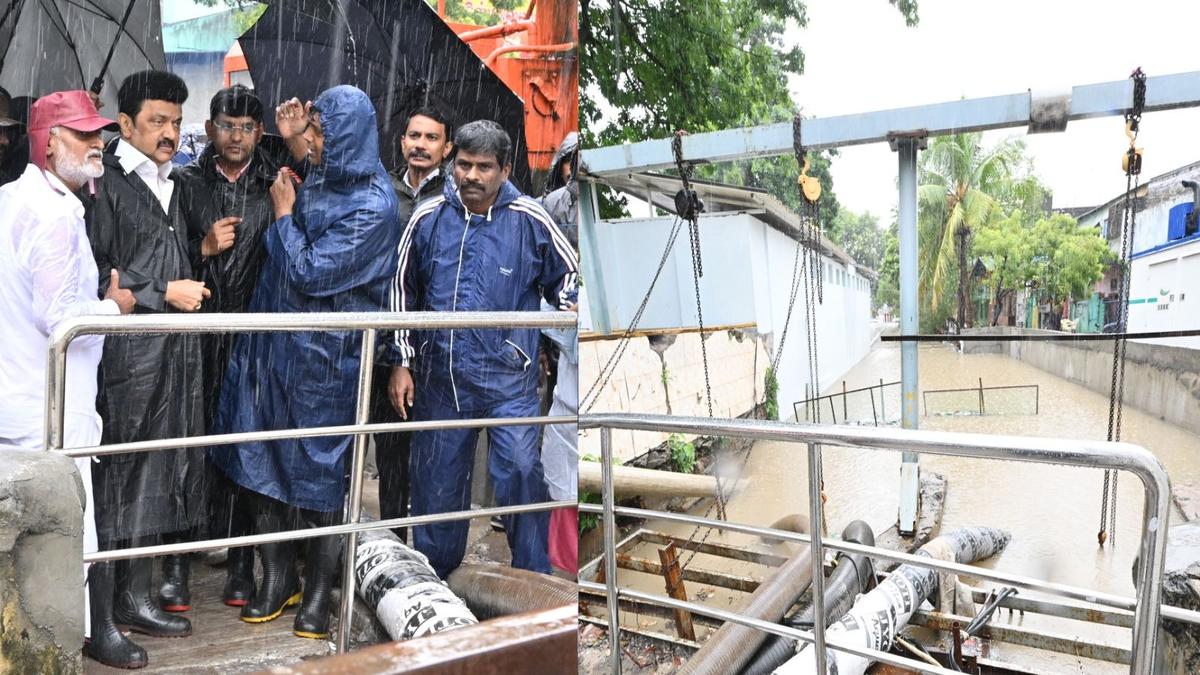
239	580
107	644
136	609
280	587
174	594
321	571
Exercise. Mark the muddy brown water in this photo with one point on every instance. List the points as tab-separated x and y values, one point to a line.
1053	512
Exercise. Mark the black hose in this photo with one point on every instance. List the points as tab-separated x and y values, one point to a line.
853	575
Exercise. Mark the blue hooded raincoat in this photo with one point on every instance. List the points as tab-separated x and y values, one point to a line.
337	253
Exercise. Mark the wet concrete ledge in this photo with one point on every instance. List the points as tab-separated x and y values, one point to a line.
1160	380
41	573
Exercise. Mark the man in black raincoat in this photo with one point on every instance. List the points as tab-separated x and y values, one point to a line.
226	202
425	146
150	385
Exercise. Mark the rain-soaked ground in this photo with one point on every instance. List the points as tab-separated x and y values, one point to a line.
1052	511
222	643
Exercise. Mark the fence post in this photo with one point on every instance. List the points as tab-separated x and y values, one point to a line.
610	550
845	414
366	366
882	405
981	406
815	514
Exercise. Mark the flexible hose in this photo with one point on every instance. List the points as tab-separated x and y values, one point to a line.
852	576
492	591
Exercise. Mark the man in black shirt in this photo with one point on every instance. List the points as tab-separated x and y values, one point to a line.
425	145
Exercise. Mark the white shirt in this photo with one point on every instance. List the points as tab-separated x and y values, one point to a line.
157	178
47	275
414	191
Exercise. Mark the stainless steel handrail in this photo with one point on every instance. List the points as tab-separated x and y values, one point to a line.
368	323
1095	454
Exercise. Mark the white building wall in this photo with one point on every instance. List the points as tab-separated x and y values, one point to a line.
1164	293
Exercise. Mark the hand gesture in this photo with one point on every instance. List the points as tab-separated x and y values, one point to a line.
283	193
400	390
220	236
186	295
121	296
291	117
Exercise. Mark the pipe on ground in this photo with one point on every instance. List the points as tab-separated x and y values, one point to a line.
731	646
492	591
851	577
632	481
878	616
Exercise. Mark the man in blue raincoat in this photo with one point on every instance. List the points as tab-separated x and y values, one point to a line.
480	246
332	248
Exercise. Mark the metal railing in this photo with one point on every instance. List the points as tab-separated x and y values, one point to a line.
366	322
813	403
1092	454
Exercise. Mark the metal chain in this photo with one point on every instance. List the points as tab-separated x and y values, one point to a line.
1108	502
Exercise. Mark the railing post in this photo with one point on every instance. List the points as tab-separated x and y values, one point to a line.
56	395
610	550
815	516
906	148
362	416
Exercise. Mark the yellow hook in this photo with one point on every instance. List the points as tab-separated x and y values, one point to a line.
810	186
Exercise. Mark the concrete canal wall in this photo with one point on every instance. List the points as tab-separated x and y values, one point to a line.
1160	380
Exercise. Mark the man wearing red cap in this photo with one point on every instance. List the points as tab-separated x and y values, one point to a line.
47	276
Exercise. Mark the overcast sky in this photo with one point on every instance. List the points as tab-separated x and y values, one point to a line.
859	57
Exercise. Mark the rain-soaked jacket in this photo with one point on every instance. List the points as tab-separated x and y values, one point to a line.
561	196
150	386
336	253
504	260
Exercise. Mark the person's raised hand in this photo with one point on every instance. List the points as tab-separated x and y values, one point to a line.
291	118
220	236
283	193
122	296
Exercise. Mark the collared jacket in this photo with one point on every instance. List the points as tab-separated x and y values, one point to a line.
337	253
150	386
454	261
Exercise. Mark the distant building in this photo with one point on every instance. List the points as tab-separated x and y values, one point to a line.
1164	289
195	42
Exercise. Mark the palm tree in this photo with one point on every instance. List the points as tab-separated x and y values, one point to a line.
962	186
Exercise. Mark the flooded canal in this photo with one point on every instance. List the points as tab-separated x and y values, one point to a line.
1053	512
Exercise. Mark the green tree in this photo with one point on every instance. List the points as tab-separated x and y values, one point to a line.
1004	246
887	289
859	235
1065	260
651	67
962	186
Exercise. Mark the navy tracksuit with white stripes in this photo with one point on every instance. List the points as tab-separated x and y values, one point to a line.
453	260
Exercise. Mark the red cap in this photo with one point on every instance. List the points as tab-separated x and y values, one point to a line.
70	109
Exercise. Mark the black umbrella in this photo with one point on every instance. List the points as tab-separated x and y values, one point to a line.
397	51
54	45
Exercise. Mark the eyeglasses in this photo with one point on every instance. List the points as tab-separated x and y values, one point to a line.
230	128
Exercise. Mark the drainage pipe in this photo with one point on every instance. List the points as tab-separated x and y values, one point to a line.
492	591
732	645
852	576
878	616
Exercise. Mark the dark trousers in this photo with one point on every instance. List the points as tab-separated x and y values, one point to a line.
391	454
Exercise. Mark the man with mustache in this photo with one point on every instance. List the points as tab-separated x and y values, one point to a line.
425	144
226	201
49	277
150	385
480	246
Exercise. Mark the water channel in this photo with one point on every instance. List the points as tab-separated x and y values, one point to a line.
1053	512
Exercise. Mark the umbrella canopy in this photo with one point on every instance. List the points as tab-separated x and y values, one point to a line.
55	45
397	51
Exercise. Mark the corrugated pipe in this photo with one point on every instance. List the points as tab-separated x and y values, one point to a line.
731	646
852	576
492	591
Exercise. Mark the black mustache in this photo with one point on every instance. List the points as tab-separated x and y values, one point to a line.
418	154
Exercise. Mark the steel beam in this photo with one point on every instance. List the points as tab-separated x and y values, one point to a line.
1164	92
910	479
592	258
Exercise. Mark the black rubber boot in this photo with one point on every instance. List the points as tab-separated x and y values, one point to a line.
136	609
321	571
174	595
239	580
107	644
280	587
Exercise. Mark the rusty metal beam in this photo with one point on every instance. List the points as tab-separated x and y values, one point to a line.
730	581
533	642
1027	638
589	599
661	637
1066	609
722	550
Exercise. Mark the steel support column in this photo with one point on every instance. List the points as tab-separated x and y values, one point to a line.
910	484
591	258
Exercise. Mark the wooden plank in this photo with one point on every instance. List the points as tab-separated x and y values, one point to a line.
674	580
730	581
722	550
